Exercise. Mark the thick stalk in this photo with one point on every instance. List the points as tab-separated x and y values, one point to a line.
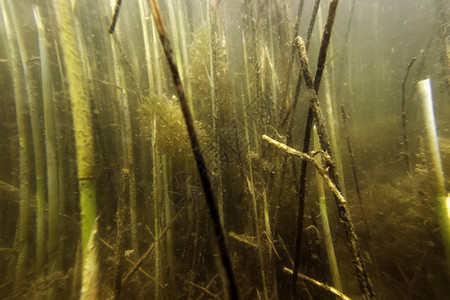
326	232
198	156
50	142
440	193
84	145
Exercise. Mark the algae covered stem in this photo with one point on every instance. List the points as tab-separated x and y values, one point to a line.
308	128
344	214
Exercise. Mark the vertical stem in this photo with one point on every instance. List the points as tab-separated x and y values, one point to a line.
50	142
198	156
168	217
364	282
332	261
440	193
24	136
84	145
404	121
38	146
156	184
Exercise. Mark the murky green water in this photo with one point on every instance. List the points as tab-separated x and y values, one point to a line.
100	194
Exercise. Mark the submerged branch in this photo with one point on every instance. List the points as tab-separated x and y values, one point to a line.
203	290
327	288
313	161
364	282
308	128
198	156
115	16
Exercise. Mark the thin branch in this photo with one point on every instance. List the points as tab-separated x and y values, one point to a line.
203	290
404	135
311	160
199	159
364	282
308	128
115	16
327	288
150	249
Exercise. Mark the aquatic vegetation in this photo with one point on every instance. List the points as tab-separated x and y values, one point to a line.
162	149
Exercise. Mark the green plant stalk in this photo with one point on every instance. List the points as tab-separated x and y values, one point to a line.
84	144
404	121
148	52
119	250
441	198
168	217
326	232
22	228
176	38
273	85
156	53
251	187
156	184
50	142
331	108
38	146
249	93
184	50
62	162
127	145
212	21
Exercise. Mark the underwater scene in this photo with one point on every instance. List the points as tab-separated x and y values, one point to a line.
224	149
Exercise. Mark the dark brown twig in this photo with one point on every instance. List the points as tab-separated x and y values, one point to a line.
308	128
115	16
355	176
198	156
404	135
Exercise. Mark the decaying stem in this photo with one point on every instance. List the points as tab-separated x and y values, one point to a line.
344	214
119	251
308	128
322	172
404	136
327	288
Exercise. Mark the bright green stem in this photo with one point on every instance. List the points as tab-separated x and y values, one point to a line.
326	232
84	139
440	193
